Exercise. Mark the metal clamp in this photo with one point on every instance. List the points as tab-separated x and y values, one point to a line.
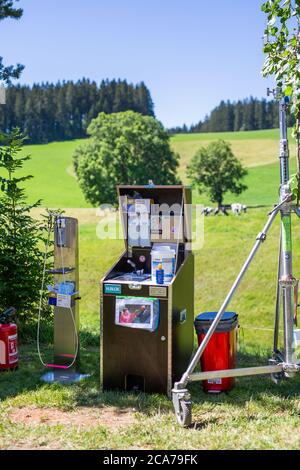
261	236
291	367
296	209
284	149
288	282
284	201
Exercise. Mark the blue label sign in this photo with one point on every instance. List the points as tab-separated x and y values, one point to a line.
112	289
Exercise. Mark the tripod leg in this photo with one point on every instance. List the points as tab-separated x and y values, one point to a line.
277	356
278	302
288	326
259	239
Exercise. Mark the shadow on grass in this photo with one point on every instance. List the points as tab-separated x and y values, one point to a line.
27	334
260	389
25	379
87	392
26	386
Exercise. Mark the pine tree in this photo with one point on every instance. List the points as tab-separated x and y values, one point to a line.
21	261
248	114
48	112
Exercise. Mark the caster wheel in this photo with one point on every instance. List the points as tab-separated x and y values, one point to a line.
277	378
184	416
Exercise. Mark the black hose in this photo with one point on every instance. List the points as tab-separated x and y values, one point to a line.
6	316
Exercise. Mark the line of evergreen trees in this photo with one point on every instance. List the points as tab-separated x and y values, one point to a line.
243	115
48	112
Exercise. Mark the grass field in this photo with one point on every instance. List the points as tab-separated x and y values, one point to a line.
54	181
255	414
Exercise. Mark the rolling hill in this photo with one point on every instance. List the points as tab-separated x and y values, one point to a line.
54	181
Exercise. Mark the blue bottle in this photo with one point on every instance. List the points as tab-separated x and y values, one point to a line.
160	274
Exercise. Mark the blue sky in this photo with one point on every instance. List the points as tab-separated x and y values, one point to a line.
190	53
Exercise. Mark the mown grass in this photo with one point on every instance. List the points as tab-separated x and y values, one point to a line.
255	414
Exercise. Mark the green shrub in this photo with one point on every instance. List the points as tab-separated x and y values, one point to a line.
21	237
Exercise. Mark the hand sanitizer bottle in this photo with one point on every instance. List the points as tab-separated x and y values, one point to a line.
160	274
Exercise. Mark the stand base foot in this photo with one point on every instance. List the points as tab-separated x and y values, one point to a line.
277	358
182	406
277	378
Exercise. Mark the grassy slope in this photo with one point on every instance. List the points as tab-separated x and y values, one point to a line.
55	184
54	181
252	148
258	150
256	414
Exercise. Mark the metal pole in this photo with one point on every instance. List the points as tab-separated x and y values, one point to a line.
278	301
288	325
284	146
244	372
287	280
259	239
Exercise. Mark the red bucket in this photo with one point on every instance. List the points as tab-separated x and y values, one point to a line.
220	352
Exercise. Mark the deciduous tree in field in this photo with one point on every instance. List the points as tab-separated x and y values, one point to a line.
215	170
282	49
124	148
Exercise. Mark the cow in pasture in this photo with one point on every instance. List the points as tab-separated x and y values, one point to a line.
207	210
238	208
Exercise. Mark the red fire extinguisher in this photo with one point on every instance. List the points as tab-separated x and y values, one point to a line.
8	341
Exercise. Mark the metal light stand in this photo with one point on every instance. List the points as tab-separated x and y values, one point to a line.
282	364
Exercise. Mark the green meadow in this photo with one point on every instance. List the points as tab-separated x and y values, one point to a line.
55	183
256	414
